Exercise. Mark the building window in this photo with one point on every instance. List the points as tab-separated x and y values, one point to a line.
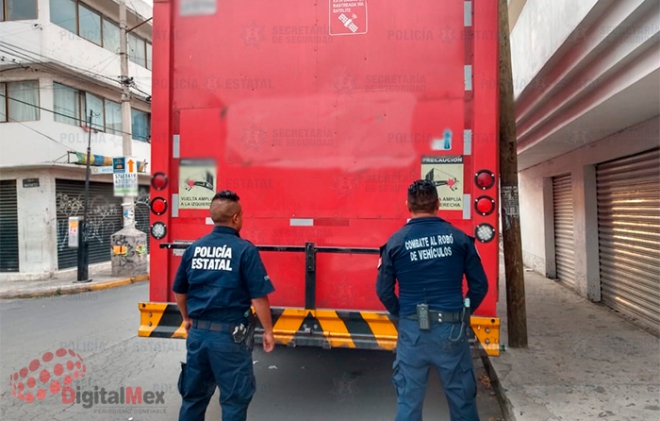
3	103
72	106
112	117
141	125
89	24
18	10
63	13
95	105
66	104
20	101
137	50
78	18
149	61
110	36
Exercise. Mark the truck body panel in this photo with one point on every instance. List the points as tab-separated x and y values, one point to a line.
320	127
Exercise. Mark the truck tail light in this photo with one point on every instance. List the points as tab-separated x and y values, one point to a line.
159	206
484	205
484	232
158	230
159	181
484	179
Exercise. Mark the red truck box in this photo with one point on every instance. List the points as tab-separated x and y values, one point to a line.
319	114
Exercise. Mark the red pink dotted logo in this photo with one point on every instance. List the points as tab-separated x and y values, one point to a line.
51	373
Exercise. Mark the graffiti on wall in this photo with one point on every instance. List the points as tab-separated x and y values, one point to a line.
142	212
104	217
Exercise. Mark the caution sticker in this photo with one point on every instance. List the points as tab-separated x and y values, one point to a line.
348	17
446	172
197	183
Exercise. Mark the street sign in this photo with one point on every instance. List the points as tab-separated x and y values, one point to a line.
103	170
125	176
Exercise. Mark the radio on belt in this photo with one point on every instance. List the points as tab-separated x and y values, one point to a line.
423	317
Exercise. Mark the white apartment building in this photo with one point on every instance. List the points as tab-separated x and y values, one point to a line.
587	83
58	61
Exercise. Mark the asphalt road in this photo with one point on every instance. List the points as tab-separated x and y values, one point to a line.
101	328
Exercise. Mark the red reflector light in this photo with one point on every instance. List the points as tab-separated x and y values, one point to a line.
159	181
484	205
159	206
484	179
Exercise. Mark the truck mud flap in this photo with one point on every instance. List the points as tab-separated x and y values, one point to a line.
316	328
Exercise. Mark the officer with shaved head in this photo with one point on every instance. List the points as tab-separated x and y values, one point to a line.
219	277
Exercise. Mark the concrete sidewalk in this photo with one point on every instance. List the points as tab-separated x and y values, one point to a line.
65	285
584	362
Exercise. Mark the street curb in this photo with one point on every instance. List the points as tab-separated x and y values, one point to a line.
75	289
505	403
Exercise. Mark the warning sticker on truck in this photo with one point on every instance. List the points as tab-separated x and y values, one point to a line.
348	17
197	183
446	173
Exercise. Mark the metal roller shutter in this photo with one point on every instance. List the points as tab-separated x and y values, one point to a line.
105	218
563	221
628	192
8	226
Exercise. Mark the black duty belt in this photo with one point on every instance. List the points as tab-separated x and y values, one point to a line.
441	316
213	326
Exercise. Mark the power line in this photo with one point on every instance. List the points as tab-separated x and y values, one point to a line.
78	85
17	50
59	71
66	77
61	114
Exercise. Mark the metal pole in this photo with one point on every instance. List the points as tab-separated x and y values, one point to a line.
127	137
83	250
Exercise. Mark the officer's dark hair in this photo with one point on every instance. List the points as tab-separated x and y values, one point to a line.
423	197
226	195
222	213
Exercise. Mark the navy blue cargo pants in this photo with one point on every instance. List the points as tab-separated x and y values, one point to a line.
417	351
214	359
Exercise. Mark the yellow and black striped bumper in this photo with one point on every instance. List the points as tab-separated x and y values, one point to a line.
323	328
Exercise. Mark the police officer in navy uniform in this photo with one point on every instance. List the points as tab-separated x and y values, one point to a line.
219	277
428	257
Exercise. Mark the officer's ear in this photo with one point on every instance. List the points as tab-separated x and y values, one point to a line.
408	206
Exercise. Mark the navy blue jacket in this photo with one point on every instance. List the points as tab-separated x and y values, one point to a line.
428	256
221	273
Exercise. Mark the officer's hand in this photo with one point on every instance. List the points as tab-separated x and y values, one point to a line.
268	341
186	324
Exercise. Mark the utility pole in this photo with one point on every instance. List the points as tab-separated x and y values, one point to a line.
126	127
129	245
515	281
83	234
